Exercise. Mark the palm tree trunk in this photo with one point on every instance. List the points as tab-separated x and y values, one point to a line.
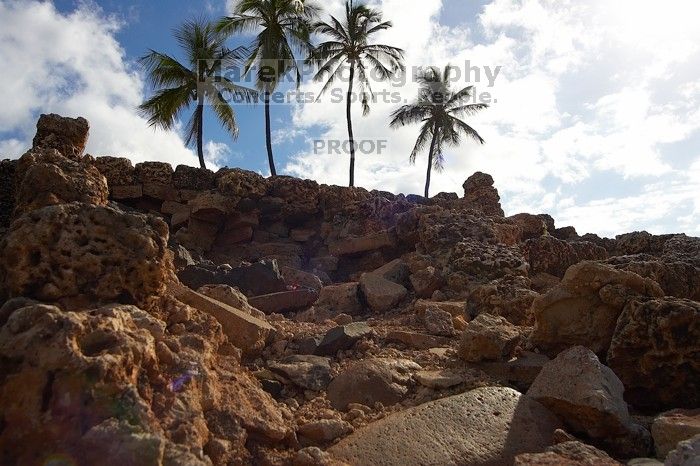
351	138
268	135
200	132
430	162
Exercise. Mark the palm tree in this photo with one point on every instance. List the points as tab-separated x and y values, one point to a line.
284	32
350	44
178	86
439	109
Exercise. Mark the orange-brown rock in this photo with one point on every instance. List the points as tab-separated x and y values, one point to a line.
583	309
66	135
84	254
45	177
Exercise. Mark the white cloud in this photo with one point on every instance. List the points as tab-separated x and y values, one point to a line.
73	65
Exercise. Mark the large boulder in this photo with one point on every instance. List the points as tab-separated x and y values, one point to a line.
553	256
382	295
486	426
372	381
654	351
583	309
481	195
532	226
84	254
143	395
66	135
588	397
45	177
340	299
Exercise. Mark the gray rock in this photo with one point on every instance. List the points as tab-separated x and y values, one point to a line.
372	381
588	397
306	371
486	426
342	338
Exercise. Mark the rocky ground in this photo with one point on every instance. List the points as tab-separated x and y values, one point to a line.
184	317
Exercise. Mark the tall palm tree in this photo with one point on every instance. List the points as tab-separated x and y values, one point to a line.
180	85
439	109
350	45
284	30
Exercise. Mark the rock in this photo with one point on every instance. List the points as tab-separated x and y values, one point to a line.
553	256
417	340
243	330
583	309
182	257
194	179
306	371
154	173
396	271
472	261
66	135
302	235
285	301
84	254
381	294
314	456
7	191
325	430
686	453
46	178
238	183
309	345
571	453
588	397
342	337
296	279
672	427
682	248
654	351
117	170
255	279
366	243
210	207
502	424
232	297
678	279
438	322
488	338
371	381
532	226
519	371
509	297
644	462
480	194
439	379
103	367
127	192
426	281
342	298
455	308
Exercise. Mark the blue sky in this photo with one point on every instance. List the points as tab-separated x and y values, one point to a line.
597	120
